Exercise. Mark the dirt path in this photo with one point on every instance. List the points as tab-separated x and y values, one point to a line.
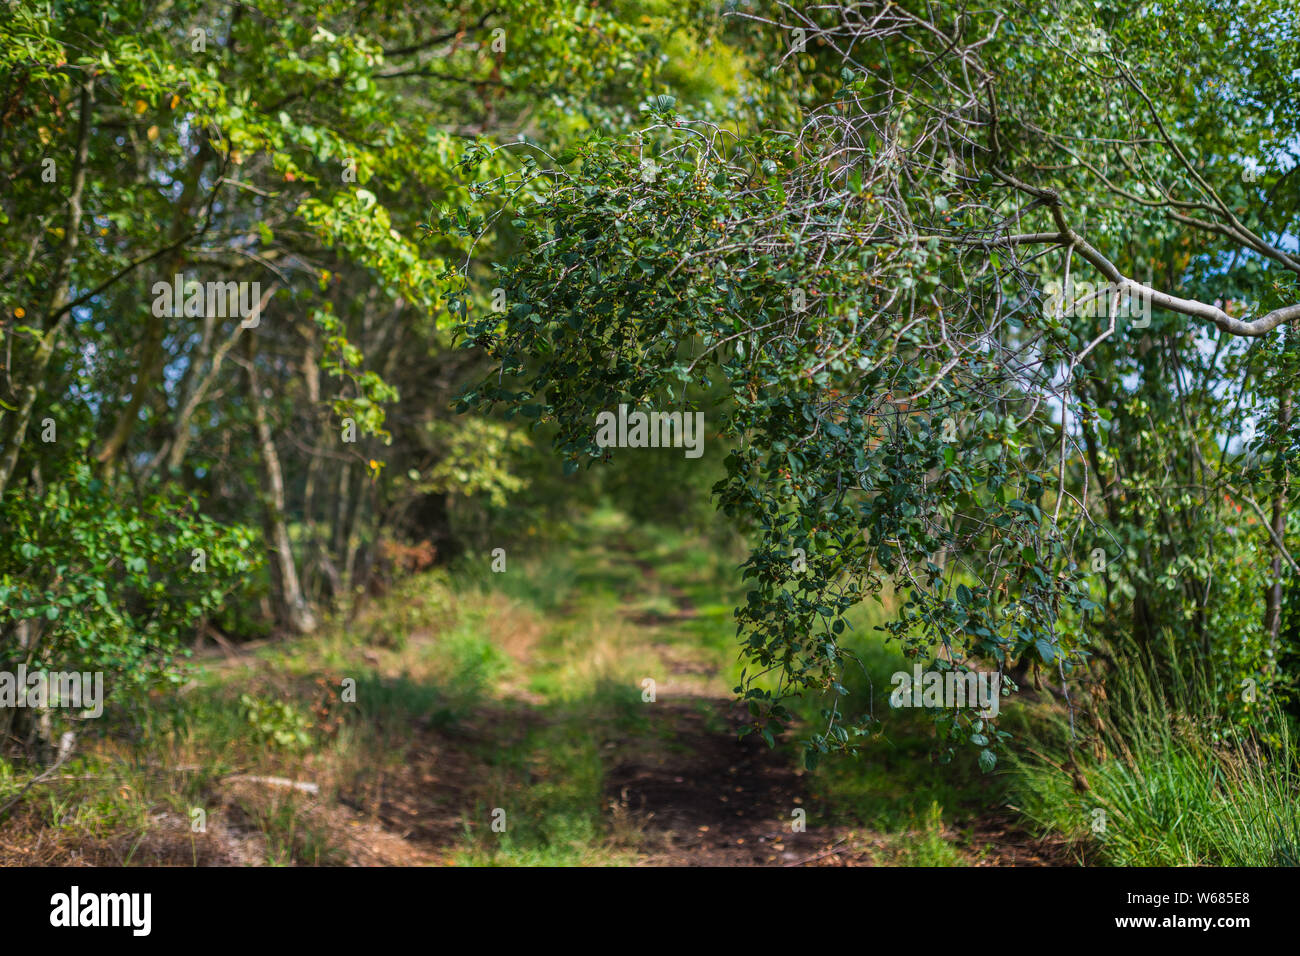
709	797
556	738
715	800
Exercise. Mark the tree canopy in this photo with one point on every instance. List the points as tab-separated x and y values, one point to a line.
982	298
989	305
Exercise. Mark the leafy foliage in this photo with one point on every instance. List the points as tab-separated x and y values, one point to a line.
865	309
93	583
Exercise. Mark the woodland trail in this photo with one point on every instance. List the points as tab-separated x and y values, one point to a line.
523	699
711	798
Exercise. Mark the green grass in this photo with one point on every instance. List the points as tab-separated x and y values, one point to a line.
1169	780
549	783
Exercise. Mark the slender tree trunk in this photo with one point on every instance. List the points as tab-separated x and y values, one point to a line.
292	610
194	367
59	299
341	499
194	393
319	565
152	359
357	492
1273	610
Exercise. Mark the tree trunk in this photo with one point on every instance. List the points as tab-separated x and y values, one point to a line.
1273	610
59	299
291	609
152	358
